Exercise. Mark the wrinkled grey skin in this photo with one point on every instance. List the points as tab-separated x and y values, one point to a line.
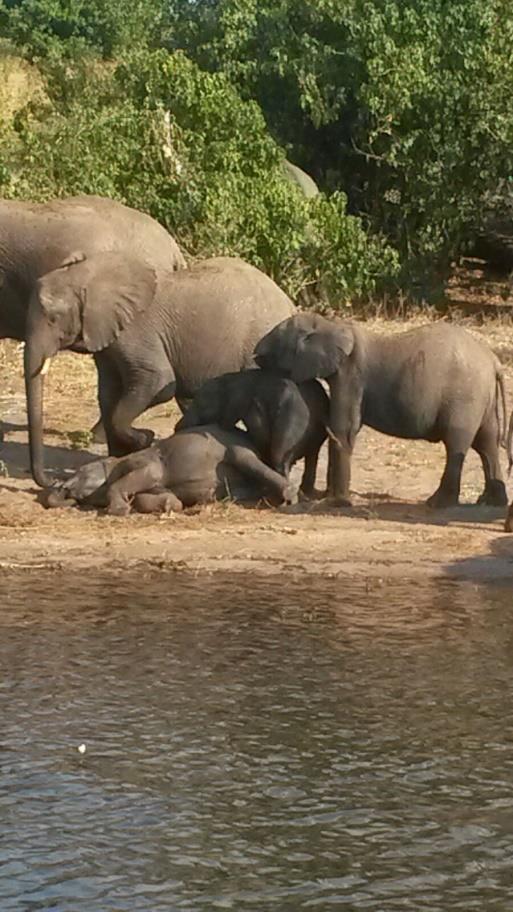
437	383
195	466
286	422
36	238
154	333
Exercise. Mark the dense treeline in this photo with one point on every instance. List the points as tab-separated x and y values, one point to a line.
400	109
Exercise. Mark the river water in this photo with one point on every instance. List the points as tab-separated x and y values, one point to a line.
255	744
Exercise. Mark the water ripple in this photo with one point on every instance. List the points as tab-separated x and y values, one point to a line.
253	746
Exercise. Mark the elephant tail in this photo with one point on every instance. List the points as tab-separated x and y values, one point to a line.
509	444
505	438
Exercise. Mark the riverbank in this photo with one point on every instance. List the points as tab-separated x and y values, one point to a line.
388	532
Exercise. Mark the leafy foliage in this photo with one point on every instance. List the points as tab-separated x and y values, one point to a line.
69	27
400	109
160	134
405	104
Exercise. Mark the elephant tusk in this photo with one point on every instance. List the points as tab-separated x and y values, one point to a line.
46	367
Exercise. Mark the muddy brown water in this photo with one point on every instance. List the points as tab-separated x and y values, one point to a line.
254	744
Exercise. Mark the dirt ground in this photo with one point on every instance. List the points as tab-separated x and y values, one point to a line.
388	532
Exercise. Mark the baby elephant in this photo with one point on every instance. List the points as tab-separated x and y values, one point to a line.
198	465
285	421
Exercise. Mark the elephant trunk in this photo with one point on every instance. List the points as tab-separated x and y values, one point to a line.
34	368
346	392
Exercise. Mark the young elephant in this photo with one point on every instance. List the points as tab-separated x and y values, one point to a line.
436	383
197	465
286	422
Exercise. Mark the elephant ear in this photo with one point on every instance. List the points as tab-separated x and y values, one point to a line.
320	352
268	350
344	338
113	291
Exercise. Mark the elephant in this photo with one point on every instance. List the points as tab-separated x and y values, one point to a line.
304	183
436	382
154	334
194	466
508	525
285	422
36	238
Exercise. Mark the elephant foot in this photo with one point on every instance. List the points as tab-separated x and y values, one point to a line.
54	498
138	439
508	525
142	438
312	494
442	500
152	502
118	508
338	500
494	495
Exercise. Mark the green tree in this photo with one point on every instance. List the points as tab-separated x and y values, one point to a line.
404	104
161	134
43	27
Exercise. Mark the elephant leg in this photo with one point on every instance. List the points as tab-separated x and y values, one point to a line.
109	392
126	395
289	428
448	492
339	473
486	443
156	502
144	478
508	525
307	485
183	404
247	463
345	419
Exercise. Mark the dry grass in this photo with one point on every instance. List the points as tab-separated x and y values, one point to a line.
19	83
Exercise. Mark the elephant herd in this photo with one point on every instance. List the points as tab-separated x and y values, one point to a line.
93	276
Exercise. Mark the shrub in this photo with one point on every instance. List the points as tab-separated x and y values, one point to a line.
162	135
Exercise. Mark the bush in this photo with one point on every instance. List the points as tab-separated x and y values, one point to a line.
68	27
162	135
404	104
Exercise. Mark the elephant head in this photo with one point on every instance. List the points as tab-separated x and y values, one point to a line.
307	346
83	305
222	400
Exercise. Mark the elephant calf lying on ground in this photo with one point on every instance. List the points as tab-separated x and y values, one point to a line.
286	422
198	465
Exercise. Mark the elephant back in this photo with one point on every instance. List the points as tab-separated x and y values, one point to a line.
216	312
36	238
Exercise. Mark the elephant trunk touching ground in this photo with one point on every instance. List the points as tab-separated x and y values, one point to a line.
37	354
34	388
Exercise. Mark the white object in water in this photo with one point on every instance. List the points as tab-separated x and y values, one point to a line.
82	748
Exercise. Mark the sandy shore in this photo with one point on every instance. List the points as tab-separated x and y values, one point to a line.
388	532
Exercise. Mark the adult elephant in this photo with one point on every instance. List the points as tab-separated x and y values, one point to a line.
436	383
36	238
154	334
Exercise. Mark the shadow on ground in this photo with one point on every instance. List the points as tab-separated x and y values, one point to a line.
58	460
383	507
496	565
